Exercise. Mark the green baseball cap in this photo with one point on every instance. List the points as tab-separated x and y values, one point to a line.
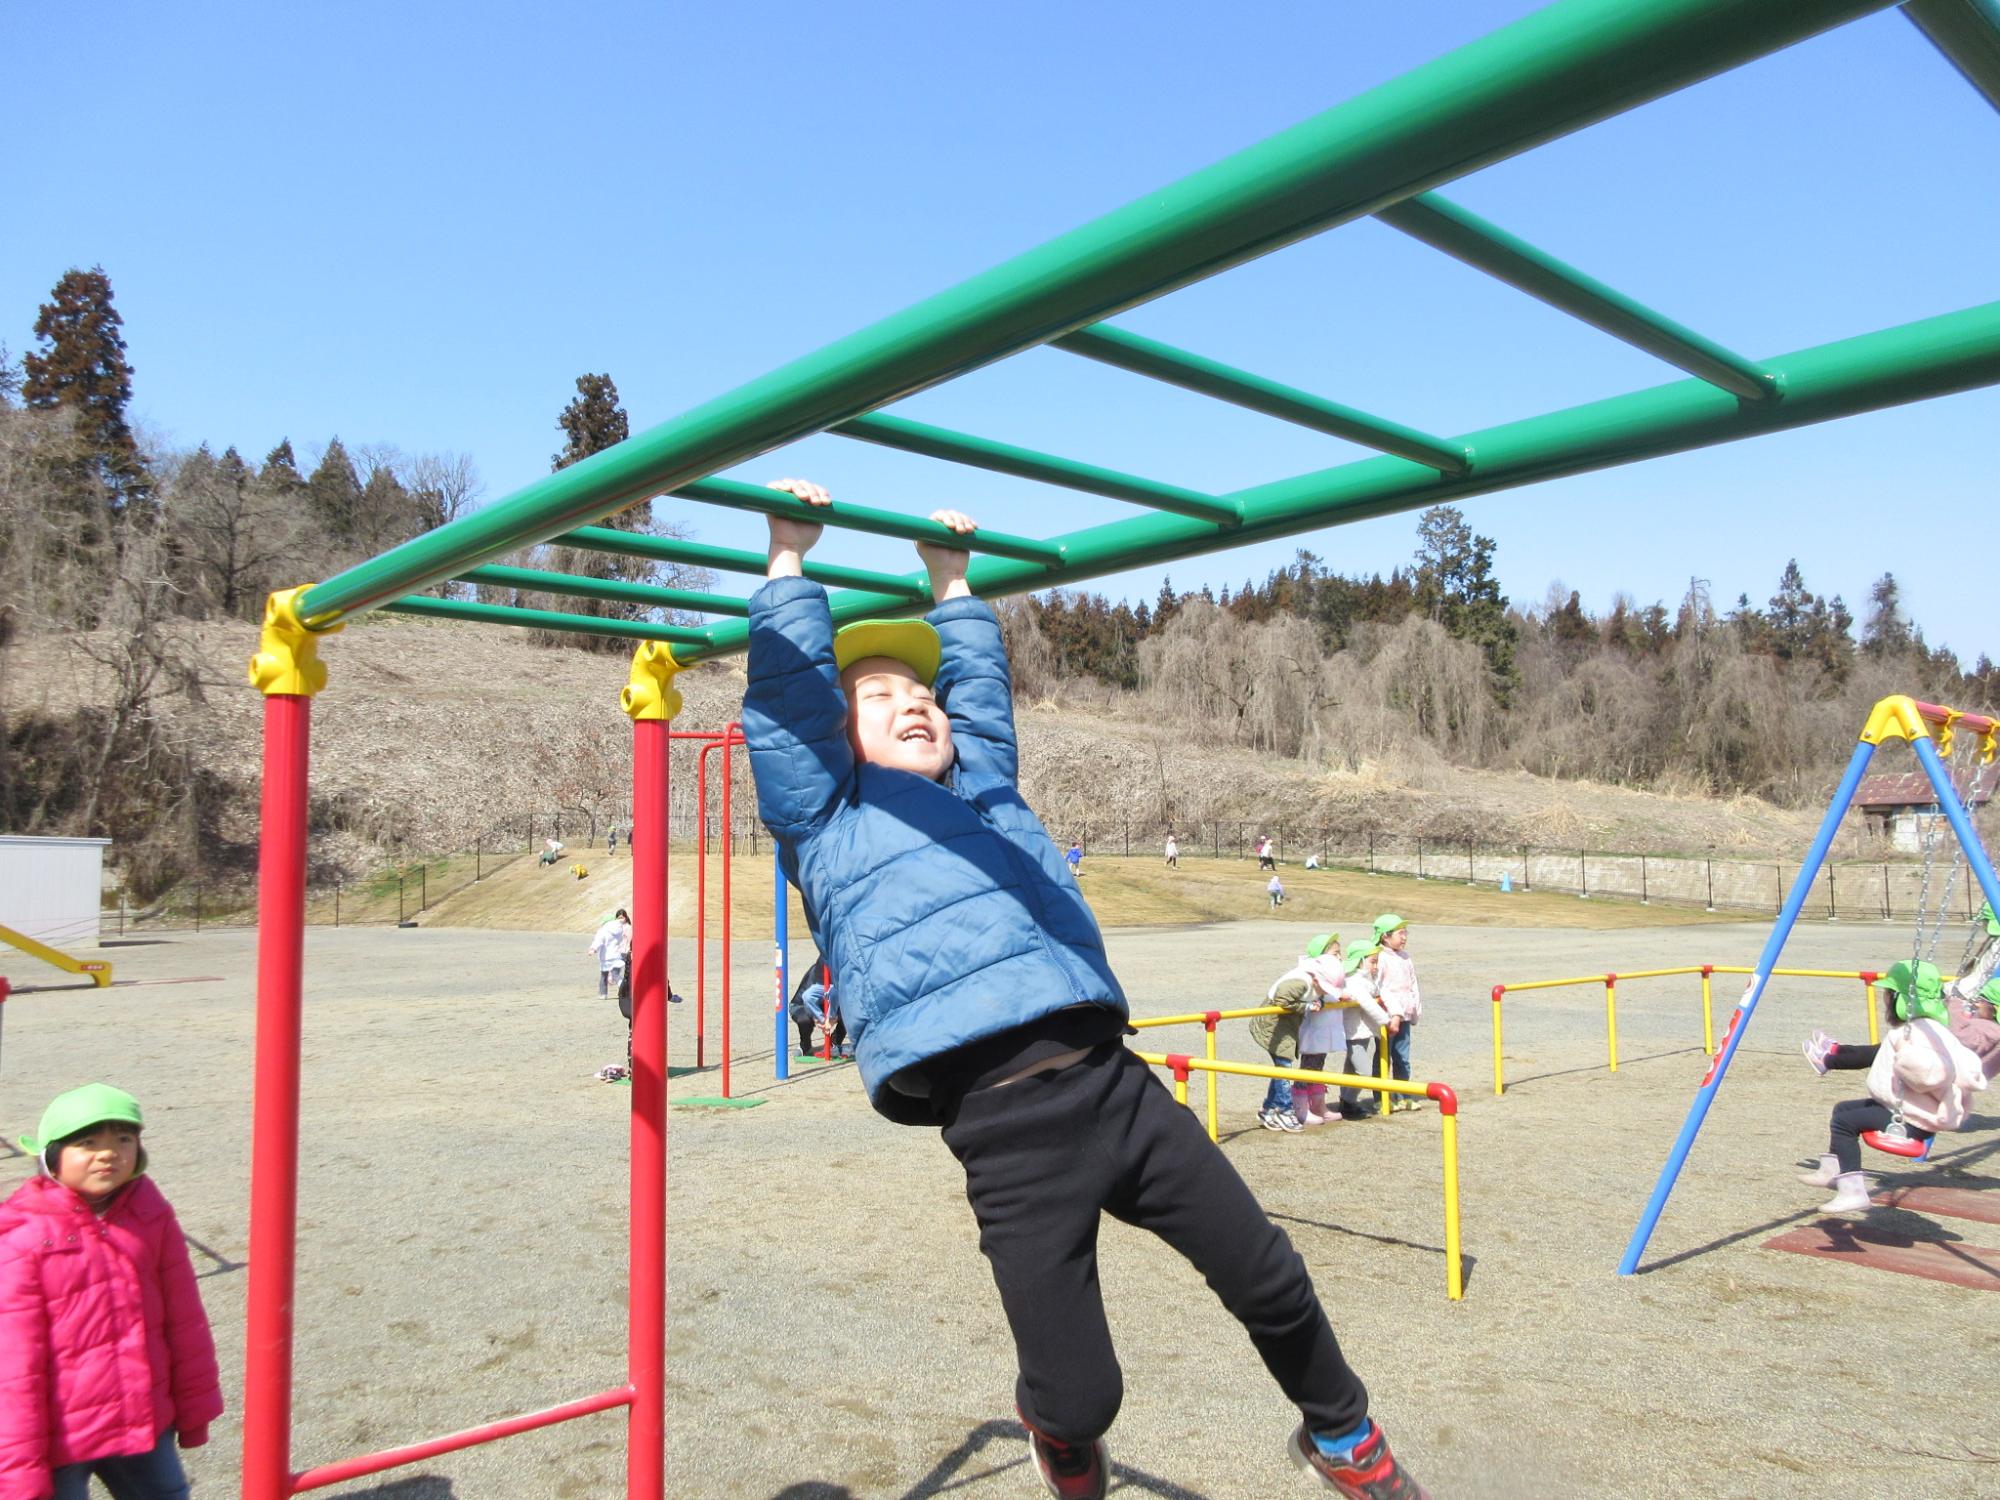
1986	916
1991	991
1323	942
1918	988
1357	954
1387	923
78	1110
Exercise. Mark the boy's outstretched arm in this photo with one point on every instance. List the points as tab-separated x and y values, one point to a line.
794	714
973	686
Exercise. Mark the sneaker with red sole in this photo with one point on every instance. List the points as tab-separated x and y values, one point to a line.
1070	1471
1369	1473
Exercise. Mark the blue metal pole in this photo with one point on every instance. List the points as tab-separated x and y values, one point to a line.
1961	822
1739	1019
781	970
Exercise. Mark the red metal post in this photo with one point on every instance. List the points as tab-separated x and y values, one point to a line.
728	850
826	999
274	1131
701	906
646	1357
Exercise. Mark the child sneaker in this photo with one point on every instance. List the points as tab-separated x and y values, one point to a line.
1818	1048
1370	1472
1070	1471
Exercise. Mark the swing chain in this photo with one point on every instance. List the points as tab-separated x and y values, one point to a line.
1923	950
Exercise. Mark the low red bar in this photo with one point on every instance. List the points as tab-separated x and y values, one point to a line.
393	1458
1977	722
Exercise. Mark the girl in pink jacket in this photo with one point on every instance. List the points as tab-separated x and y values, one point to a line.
105	1354
1920	1074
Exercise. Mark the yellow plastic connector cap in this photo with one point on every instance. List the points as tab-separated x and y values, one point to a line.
1895	718
287	659
650	692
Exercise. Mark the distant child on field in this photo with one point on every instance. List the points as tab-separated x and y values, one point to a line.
1396	986
106	1360
1173	852
1276	889
812	1005
612	946
1319	1030
975	981
1919	1075
1361	1021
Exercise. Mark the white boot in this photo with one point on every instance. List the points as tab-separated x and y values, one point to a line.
1850	1194
1824	1174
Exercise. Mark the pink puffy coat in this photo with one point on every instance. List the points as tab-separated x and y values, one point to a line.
1927	1072
103	1341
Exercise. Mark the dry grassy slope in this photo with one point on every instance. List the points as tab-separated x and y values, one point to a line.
430	729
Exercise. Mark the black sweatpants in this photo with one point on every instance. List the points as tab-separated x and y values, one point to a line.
1850	1118
1853	1055
1045	1156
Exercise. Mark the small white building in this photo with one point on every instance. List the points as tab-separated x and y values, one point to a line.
52	889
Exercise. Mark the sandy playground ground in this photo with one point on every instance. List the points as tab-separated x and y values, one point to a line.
833	1331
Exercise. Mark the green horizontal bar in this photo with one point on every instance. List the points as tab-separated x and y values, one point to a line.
1025	463
733	560
542	619
1967	32
1552	72
1933	357
1485	246
756	497
577	586
1144	356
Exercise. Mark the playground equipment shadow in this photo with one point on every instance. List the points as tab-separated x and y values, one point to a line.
833	1330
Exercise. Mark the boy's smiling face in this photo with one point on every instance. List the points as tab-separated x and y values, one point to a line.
892	719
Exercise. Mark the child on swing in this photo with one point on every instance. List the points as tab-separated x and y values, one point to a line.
1919	1077
978	997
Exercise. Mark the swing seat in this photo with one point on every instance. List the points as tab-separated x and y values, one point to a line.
1892	1145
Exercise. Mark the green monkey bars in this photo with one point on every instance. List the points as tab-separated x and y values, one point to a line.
1381	154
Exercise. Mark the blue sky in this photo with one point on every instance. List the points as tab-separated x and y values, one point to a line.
417	225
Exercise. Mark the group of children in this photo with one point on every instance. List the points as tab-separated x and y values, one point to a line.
1337	998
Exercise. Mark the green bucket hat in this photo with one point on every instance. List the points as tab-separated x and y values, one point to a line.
1323	942
1357	954
1918	988
1991	922
78	1110
1991	991
1387	923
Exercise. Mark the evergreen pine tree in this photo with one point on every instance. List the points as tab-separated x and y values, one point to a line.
333	494
281	468
82	369
1886	632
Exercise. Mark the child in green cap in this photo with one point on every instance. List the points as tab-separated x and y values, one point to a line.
1920	1076
1396	983
1363	1020
105	1352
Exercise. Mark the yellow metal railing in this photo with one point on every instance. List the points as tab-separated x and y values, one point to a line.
1447	1102
1207	1020
1867	978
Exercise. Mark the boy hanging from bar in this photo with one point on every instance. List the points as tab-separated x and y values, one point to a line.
977	995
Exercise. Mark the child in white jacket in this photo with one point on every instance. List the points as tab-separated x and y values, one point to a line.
1921	1075
1362	1019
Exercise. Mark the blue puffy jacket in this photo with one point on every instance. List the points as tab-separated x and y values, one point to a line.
942	906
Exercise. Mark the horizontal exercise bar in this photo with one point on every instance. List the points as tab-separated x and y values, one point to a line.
1930	357
543	619
735	560
576	586
1485	246
1967	32
1025	463
1144	356
756	497
1552	72
395	1458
